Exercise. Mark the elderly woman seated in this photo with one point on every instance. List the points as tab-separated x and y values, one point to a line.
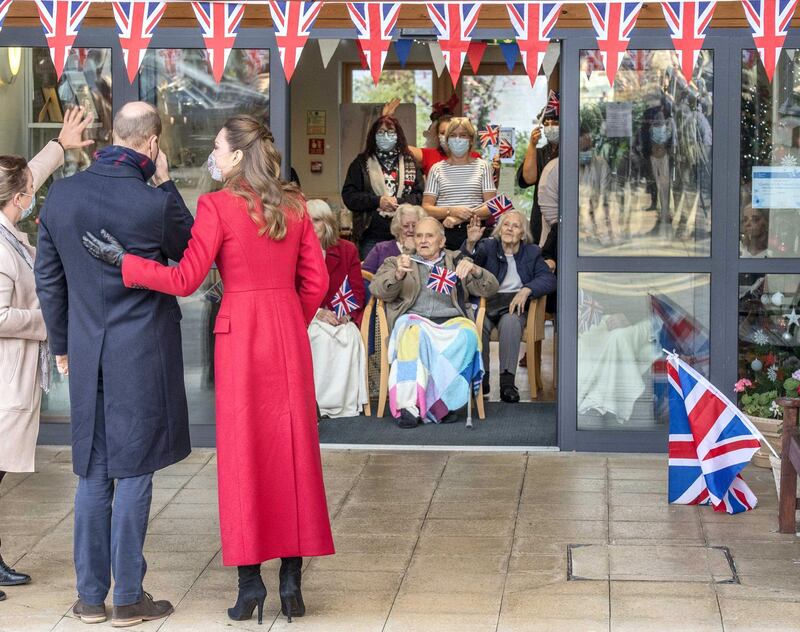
434	347
404	224
336	346
523	274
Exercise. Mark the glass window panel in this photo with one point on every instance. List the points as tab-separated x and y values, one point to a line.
496	99
624	320
769	339
410	86
32	106
193	108
770	159
645	157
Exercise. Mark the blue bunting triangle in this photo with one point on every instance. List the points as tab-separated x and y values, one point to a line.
510	51
402	48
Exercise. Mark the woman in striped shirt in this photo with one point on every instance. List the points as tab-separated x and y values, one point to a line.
459	187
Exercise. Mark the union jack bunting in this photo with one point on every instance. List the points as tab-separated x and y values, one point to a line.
687	22
344	301
293	21
442	280
710	443
489	136
505	148
769	21
374	22
454	23
61	20
532	25
172	58
591	60
498	205
4	7
219	22
637	60
613	23
136	22
590	312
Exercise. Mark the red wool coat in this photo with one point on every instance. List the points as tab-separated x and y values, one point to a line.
342	261
271	493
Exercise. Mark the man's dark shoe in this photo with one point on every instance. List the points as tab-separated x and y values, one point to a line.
449	418
10	577
2	595
89	614
508	391
407	420
486	387
144	610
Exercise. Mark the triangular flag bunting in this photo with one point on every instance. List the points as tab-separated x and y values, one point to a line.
374	22
769	21
551	58
454	23
219	22
475	52
437	57
5	5
687	22
533	24
136	22
61	20
402	49
510	51
292	21
362	58
613	23
327	47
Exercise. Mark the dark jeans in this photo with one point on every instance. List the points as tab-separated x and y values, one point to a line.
110	526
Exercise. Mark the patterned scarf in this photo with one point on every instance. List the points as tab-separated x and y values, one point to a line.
388	161
44	350
118	155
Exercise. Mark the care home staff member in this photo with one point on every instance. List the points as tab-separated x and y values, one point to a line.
380	178
24	361
271	494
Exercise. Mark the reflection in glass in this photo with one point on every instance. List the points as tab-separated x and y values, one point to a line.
769	339
624	321
193	108
645	157
770	158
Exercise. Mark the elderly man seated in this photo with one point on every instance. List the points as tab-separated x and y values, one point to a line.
523	274
434	348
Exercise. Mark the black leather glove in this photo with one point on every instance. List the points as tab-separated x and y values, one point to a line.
109	251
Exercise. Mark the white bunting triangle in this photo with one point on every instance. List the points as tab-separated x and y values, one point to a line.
327	47
551	58
437	58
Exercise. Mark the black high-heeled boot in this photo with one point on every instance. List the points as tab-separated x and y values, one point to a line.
291	598
252	594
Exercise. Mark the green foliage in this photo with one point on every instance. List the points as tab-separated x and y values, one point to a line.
759	404
790	385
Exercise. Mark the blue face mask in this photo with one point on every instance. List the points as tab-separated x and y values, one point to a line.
585	157
659	134
386	141
28	210
458	146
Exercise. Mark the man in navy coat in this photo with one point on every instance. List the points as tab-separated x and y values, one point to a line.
122	351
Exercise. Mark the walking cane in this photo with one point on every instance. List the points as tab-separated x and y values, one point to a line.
469	409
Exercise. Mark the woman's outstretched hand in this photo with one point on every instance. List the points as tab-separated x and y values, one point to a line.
109	251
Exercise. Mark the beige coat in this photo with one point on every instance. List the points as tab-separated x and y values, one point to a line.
21	330
399	296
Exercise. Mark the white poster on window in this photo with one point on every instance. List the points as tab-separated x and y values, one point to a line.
619	120
776	187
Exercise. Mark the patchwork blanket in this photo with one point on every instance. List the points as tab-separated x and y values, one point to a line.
433	366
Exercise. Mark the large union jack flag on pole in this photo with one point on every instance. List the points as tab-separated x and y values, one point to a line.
61	20
442	280
5	5
769	21
375	22
710	443
344	301
293	21
219	22
687	22
136	22
532	25
454	23
613	23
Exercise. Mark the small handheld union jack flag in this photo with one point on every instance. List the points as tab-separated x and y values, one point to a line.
687	22
489	136
293	22
769	21
505	148
61	20
4	7
613	23
219	22
454	22
344	301
136	22
442	280
553	107
374	22
499	205
532	24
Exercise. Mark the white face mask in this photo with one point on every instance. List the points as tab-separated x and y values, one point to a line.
213	169
551	134
458	146
442	142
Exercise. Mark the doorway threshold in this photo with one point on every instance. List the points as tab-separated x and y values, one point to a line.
378	447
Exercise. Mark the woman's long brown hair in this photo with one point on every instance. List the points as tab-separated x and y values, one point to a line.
257	177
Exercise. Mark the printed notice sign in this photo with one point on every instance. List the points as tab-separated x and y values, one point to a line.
619	120
776	187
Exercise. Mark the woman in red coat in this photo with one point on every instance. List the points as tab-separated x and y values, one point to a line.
271	493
